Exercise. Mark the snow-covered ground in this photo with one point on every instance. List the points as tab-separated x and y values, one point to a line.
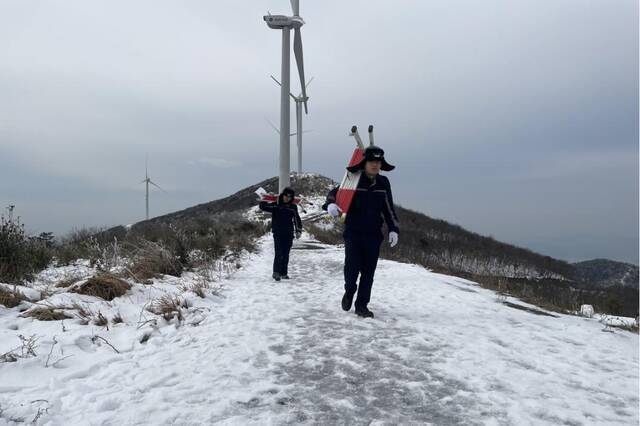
441	351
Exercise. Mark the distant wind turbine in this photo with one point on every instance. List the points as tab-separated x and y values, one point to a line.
299	101
147	180
273	126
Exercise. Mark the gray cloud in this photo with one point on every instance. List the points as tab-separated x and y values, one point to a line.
516	119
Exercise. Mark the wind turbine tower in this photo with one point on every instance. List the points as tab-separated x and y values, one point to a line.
285	24
147	180
299	100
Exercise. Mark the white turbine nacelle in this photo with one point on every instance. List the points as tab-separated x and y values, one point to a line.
278	22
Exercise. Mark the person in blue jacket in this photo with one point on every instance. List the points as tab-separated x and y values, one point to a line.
371	206
285	223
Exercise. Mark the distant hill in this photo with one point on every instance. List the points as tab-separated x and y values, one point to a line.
606	273
305	183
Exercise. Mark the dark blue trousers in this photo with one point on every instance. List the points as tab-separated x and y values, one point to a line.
361	258
282	244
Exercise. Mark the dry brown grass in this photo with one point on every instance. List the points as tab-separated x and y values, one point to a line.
101	320
11	298
200	287
169	307
151	260
83	313
45	313
68	281
104	286
117	319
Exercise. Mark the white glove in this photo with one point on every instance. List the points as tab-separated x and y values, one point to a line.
393	238
333	210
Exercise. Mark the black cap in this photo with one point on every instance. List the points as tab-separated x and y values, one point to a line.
288	191
372	153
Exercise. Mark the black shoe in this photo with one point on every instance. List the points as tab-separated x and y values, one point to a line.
347	299
276	276
285	277
364	313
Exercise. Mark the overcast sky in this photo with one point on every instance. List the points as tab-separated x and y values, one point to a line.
516	119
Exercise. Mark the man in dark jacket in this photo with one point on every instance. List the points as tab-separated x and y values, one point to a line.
285	222
372	204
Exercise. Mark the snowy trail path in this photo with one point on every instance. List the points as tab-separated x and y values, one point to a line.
440	351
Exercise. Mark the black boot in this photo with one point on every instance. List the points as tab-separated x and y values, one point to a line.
364	313
347	299
276	276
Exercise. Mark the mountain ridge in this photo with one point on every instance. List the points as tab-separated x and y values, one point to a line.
445	247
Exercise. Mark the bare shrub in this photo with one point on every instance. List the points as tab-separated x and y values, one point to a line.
117	318
172	238
83	313
199	287
69	280
221	268
11	298
101	320
45	313
103	285
21	255
210	236
168	307
103	255
97	339
8	357
27	349
73	246
225	230
151	259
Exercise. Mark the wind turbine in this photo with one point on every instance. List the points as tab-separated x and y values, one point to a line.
299	100
286	23
276	129
147	180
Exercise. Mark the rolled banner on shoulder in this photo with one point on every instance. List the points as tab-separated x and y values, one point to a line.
261	192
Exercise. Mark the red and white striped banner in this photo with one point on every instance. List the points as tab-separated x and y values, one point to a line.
350	182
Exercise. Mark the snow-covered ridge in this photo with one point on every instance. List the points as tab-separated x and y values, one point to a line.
496	267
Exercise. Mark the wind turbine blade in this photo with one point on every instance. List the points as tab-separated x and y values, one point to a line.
307	131
152	183
297	50
293	134
295	6
272	125
143	181
146	166
309	82
277	82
